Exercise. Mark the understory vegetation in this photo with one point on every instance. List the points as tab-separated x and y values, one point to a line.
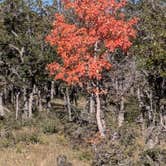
124	145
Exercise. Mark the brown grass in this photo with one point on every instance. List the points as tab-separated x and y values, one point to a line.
41	154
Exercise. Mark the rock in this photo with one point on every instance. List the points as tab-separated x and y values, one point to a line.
62	161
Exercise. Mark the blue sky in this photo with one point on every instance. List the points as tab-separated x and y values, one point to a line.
49	1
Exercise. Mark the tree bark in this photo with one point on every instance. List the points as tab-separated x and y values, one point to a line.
30	103
1	106
40	102
52	90
100	121
25	109
121	113
68	104
17	105
91	104
142	111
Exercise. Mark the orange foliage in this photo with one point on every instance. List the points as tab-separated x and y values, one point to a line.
85	42
95	140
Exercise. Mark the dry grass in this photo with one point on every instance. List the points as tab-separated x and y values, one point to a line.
41	154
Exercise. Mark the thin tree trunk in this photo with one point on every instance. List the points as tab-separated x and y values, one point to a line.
132	90
162	115
17	105
151	111
65	100
12	96
52	89
142	115
100	124
30	103
91	104
5	96
121	113
25	114
1	106
162	120
68	104
25	109
40	101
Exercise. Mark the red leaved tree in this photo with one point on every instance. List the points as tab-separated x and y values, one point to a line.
84	34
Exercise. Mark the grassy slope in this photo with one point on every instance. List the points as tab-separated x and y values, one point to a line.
48	143
45	150
41	154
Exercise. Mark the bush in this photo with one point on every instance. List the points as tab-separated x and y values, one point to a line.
153	157
27	136
4	143
127	135
85	156
50	126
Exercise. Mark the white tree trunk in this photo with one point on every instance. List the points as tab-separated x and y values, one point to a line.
40	101
151	111
91	104
1	106
142	116
17	105
68	104
121	113
25	109
100	122
5	94
52	89
12	96
162	115
30	103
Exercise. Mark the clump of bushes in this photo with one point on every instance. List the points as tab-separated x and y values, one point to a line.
26	135
50	126
153	156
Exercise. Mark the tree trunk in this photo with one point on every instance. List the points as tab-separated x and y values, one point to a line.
12	96
52	90
39	101
143	125
151	111
30	103
25	109
121	113
162	115
162	120
91	104
5	96
1	106
142	111
68	104
17	105
100	121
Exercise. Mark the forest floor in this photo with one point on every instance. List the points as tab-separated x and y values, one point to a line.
39	141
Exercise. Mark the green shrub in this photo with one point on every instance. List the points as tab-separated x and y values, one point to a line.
85	156
27	136
153	156
50	126
4	143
